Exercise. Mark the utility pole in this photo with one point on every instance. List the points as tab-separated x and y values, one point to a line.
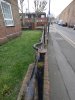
49	7
28	5
49	17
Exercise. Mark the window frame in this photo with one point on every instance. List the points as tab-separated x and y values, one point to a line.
7	19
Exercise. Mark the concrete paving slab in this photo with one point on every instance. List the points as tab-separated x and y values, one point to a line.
62	75
57	86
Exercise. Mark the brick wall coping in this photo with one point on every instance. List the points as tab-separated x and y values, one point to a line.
46	87
25	83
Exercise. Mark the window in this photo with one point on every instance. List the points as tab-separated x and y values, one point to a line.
42	16
7	13
26	16
32	16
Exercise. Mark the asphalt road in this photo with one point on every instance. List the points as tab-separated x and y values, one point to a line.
61	58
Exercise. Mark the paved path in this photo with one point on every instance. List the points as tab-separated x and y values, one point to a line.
61	73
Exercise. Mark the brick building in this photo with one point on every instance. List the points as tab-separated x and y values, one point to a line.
9	20
33	19
68	14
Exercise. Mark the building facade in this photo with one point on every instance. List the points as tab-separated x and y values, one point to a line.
33	19
68	14
9	20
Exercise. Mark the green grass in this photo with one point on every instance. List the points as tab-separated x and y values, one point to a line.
15	56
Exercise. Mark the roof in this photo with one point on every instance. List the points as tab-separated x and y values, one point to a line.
33	13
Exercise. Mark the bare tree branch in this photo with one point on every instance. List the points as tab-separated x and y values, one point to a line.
40	5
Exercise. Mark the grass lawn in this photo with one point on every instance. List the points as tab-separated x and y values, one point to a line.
15	56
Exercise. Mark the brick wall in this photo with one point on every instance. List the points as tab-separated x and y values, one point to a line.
68	14
34	23
7	32
41	22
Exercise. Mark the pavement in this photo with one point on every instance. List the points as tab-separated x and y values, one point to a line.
61	61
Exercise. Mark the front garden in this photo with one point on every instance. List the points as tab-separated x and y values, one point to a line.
15	56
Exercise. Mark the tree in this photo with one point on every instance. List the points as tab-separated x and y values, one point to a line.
40	5
21	5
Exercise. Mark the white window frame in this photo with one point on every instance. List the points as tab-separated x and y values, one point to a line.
10	11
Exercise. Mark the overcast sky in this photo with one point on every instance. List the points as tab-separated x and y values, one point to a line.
56	6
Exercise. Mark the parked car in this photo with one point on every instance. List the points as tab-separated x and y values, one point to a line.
74	27
62	23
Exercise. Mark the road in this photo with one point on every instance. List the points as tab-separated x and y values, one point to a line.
61	58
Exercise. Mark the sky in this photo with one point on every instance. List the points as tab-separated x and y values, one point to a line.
56	6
